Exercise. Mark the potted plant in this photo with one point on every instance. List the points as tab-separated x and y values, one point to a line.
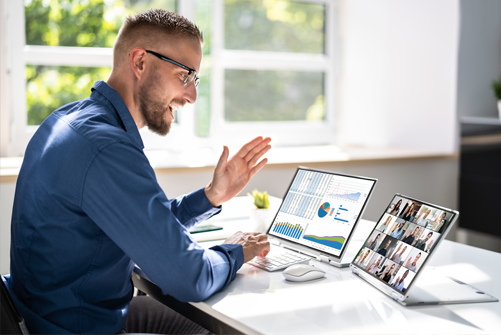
260	215
496	87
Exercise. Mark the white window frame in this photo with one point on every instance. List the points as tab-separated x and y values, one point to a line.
284	133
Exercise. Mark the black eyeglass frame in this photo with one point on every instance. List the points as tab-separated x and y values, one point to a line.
195	80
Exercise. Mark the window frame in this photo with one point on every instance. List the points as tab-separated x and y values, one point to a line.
284	133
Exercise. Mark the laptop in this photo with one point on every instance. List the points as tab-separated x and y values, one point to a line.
397	250
316	219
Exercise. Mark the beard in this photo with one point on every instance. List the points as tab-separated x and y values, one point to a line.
153	111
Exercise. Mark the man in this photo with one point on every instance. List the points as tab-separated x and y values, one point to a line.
88	206
413	265
385	251
399	283
372	244
421	243
397	257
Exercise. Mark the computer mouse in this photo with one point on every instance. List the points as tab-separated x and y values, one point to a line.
303	272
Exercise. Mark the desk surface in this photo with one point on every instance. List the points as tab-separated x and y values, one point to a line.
262	302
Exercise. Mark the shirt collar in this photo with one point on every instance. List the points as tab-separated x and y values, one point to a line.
123	112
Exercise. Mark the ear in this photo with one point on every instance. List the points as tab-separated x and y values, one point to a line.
137	61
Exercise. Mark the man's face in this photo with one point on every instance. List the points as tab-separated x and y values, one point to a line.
426	214
428	237
415	231
162	90
403	250
387	244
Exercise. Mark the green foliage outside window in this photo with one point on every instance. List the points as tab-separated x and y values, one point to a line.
73	23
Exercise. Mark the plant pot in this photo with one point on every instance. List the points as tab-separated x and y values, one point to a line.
499	108
261	219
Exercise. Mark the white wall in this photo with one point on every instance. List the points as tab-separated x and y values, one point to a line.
398	79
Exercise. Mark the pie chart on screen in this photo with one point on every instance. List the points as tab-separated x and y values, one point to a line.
324	209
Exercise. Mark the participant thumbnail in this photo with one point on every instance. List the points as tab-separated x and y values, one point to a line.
385	223
409	211
414	259
400	253
425	240
374	240
411	234
363	257
398	228
402	279
375	264
424	215
439	221
386	246
395	207
388	271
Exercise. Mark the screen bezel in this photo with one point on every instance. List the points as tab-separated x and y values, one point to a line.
385	287
311	250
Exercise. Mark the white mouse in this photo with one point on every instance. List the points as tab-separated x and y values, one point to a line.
303	272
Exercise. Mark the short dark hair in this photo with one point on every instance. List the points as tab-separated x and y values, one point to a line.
138	27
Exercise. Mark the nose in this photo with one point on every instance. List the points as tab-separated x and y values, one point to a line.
190	93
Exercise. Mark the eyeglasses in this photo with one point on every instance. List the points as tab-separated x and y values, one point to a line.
192	74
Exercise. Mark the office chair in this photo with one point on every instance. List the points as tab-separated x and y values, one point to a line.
10	320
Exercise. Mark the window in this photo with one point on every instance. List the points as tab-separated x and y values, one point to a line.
268	66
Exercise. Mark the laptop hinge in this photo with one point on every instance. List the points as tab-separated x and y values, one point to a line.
274	241
324	259
354	270
394	296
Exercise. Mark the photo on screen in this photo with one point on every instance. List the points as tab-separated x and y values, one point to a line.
395	206
375	240
400	253
398	228
402	279
439	221
388	271
411	234
385	223
363	257
424	216
414	259
425	240
410	210
386	246
375	264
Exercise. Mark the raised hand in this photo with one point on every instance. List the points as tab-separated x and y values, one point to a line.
231	176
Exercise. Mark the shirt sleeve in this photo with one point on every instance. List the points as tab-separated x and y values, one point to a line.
121	195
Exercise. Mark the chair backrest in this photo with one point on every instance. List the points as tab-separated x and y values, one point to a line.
10	320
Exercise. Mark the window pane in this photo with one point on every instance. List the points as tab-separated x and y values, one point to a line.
84	23
273	95
278	25
50	87
203	20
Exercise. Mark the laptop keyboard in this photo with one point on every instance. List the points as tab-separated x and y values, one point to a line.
276	261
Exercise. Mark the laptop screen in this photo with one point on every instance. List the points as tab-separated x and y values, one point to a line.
402	240
320	209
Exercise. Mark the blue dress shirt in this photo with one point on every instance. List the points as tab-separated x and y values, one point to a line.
87	207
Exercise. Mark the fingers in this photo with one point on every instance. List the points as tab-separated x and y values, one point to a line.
223	159
255	145
258	150
253	159
258	167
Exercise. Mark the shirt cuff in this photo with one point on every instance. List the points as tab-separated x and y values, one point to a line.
235	255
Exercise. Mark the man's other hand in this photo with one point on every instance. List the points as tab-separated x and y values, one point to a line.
253	244
231	176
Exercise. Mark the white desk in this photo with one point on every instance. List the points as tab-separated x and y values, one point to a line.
261	302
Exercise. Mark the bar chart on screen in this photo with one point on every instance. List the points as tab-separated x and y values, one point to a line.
292	230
